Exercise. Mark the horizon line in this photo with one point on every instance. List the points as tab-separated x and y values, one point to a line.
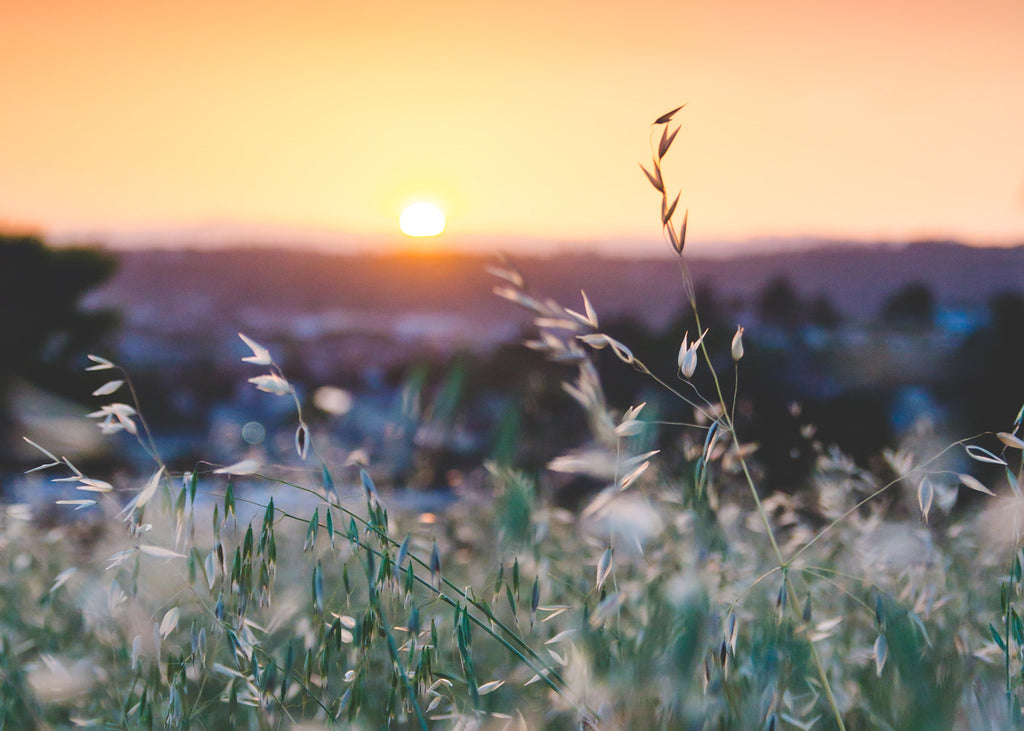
224	235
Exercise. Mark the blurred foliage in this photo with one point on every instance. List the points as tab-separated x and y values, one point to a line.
910	307
43	328
986	382
779	305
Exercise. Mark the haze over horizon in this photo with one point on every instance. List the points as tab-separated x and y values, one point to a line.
804	121
227	236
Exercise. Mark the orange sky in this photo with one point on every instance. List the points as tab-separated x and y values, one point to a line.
870	119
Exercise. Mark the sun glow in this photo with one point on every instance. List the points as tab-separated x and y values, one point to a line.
421	219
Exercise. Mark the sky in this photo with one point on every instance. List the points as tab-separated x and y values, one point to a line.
525	122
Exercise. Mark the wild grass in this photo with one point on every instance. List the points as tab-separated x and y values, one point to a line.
290	596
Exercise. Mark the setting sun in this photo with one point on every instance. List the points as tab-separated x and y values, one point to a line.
421	219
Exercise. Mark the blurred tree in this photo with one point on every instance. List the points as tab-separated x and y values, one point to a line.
822	313
779	305
986	381
910	307
43	330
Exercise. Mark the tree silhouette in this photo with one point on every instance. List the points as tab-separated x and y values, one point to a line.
910	307
43	330
986	381
779	305
822	313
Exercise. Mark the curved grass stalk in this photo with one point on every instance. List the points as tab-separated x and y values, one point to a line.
505	635
918	468
750	587
400	669
821	572
149	444
784	564
519	647
677	240
444	591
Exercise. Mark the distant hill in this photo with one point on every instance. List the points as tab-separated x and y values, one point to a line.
224	283
859	278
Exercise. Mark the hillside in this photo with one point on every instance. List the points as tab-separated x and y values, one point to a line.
230	283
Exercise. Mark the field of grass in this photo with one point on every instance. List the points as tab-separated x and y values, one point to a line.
679	595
